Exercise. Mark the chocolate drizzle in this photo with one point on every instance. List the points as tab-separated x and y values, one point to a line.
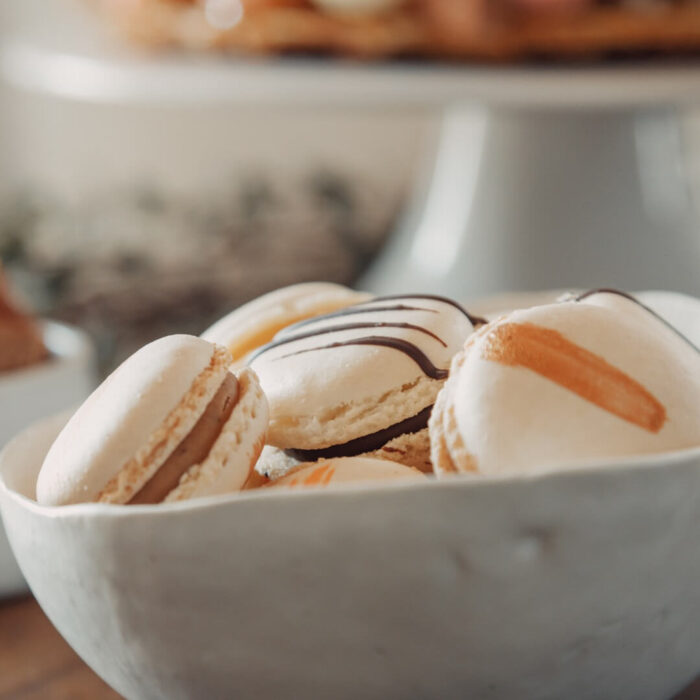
626	295
366	443
341	327
355	310
366	308
474	320
417	355
288	335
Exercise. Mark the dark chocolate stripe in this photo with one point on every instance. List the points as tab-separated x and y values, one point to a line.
366	443
366	308
475	320
341	327
626	295
352	311
417	355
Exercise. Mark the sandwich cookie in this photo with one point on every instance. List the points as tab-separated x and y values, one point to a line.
256	323
362	380
346	470
594	377
171	423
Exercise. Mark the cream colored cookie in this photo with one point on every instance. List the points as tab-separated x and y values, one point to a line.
345	470
257	322
354	381
411	450
593	378
171	422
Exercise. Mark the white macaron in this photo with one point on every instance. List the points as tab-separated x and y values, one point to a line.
594	377
256	323
172	422
346	470
362	380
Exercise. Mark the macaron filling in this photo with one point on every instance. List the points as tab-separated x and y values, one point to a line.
366	443
194	448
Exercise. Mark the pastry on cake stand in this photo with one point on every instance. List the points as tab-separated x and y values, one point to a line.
540	176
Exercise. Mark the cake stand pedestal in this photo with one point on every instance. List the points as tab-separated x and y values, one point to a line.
523	198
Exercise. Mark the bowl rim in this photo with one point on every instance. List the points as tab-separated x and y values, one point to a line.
594	468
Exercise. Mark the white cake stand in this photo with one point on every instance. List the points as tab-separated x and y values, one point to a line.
541	177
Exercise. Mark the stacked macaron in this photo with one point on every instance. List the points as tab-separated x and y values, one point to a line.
362	380
593	377
316	385
183	418
172	422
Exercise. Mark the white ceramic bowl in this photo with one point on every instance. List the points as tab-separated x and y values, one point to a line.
573	584
35	392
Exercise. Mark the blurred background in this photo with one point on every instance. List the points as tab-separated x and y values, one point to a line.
133	220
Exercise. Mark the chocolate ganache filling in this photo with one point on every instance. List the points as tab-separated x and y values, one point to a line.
366	443
194	448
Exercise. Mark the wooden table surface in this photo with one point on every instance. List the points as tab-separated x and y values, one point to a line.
36	664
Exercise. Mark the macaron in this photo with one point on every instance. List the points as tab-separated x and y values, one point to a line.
345	470
257	322
595	377
171	423
362	380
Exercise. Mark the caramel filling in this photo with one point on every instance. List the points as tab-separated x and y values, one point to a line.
196	446
552	356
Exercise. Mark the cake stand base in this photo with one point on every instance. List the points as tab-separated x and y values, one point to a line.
523	199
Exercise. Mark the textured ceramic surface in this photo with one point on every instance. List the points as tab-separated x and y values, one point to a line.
562	584
35	392
580	584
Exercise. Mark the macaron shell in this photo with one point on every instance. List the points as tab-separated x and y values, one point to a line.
231	460
410	449
680	310
131	423
511	419
349	420
345	470
447	451
257	322
323	394
666	324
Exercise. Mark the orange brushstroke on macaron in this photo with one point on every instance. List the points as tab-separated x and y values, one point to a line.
317	475
552	356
